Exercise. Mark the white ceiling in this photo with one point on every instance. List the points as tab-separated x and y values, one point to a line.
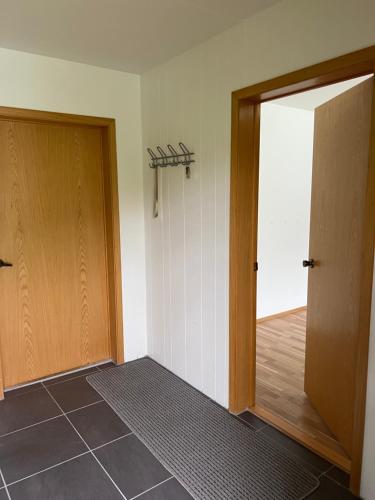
128	35
314	98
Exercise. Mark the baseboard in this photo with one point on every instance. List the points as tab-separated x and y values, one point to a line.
281	314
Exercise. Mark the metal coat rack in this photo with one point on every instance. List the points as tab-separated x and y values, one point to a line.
172	159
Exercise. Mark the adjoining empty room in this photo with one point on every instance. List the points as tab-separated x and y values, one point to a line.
290	144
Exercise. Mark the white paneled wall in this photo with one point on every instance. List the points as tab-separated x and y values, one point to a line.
189	99
187	257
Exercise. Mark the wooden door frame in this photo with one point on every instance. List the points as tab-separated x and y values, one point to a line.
243	238
107	127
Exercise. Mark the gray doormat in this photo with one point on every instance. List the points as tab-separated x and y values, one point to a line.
212	454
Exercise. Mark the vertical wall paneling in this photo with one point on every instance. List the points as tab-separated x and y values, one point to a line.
162	118
192	83
193	105
177	225
207	161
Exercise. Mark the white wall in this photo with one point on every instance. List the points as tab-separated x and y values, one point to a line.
188	99
43	83
286	146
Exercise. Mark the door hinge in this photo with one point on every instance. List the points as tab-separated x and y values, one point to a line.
255	267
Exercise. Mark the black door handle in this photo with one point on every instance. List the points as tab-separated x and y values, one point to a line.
5	264
308	263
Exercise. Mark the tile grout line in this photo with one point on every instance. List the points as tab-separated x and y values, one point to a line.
325	472
85	406
152	488
51	418
251	425
5	484
97	460
243	421
64	461
143	442
304	463
151	451
112	441
87	446
30	426
8	396
63	414
70	379
48	468
335	481
261	428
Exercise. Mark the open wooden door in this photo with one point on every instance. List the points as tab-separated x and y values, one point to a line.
339	182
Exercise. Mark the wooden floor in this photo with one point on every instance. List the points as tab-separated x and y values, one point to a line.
280	376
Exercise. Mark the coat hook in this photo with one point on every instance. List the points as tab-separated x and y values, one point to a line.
188	159
153	158
174	155
173	158
163	157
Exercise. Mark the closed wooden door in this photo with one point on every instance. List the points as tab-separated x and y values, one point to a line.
54	300
339	181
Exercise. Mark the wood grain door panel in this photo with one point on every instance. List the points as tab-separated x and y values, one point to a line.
340	169
54	306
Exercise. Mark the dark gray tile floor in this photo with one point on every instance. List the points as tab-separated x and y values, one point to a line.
73	394
143	471
333	481
98	424
3	495
42	446
60	440
25	410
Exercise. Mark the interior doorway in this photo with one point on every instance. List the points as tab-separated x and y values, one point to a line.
61	306
285	178
338	302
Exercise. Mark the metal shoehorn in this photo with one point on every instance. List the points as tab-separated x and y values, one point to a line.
156	193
